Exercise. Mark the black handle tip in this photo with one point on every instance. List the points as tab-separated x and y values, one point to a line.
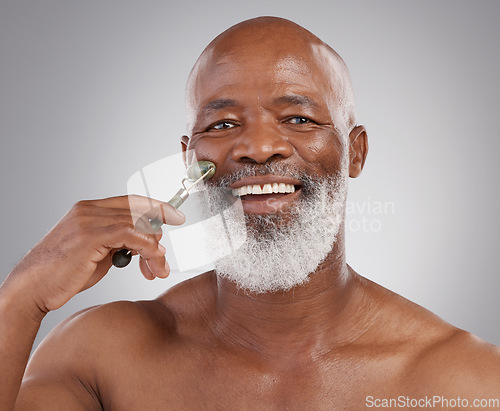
121	258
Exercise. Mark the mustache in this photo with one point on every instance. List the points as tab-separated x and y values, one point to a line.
253	170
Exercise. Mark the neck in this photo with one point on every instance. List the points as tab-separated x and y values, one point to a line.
309	320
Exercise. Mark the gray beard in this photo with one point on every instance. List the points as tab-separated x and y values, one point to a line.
276	252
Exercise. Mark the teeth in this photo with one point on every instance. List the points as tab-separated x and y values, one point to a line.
265	189
256	189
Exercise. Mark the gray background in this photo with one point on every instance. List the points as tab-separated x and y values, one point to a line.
91	91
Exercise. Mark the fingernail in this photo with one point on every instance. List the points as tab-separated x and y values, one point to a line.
162	249
180	213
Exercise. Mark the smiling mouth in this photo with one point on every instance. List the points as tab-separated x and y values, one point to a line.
258	189
266	194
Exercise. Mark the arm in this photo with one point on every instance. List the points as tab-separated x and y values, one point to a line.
74	256
56	377
19	323
20	320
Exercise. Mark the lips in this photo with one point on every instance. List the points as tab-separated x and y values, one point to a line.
265	194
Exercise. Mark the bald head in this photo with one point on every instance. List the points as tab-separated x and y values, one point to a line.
265	31
280	45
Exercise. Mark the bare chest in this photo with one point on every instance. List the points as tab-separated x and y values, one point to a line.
205	380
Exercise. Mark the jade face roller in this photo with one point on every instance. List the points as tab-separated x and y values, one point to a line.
199	171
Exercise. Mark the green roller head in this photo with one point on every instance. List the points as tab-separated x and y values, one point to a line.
200	168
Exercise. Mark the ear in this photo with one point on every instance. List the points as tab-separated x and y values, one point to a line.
184	147
358	150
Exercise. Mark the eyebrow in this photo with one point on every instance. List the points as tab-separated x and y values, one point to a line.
296	100
219	104
288	99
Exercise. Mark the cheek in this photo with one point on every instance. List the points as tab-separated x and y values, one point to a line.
213	150
323	152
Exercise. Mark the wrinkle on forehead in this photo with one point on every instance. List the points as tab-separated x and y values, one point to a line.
287	65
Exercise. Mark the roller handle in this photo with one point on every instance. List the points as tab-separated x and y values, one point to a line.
122	258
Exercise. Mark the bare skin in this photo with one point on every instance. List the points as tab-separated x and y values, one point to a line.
203	344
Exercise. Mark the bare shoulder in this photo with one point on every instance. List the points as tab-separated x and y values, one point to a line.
461	364
399	321
106	328
440	358
436	357
102	330
92	338
96	355
106	323
67	366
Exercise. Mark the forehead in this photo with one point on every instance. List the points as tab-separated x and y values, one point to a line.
266	70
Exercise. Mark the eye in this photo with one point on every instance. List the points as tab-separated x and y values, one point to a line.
223	125
298	120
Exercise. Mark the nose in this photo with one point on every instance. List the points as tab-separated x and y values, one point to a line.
261	144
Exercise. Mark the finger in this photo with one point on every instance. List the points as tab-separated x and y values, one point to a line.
147	226
167	267
146	272
143	206
166	213
124	202
150	250
122	233
144	225
158	266
119	236
135	207
154	268
162	212
158	234
97	219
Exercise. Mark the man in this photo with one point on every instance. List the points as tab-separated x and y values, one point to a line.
283	322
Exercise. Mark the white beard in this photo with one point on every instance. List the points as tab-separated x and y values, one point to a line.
273	255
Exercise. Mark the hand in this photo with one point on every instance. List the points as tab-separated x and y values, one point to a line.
77	252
